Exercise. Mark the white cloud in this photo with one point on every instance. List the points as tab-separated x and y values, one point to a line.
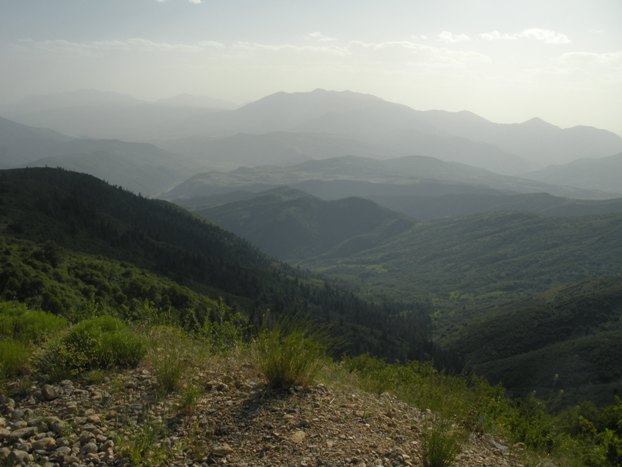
195	2
451	38
318	36
546	36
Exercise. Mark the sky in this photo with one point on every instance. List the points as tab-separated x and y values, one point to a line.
506	60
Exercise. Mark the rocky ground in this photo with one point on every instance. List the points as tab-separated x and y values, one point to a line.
234	420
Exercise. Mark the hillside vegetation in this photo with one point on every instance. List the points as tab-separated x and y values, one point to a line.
89	217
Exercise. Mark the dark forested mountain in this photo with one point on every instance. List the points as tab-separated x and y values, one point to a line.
140	167
292	225
87	216
412	175
603	174
568	338
500	253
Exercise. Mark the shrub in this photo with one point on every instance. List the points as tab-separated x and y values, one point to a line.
289	358
440	445
98	343
21	323
13	357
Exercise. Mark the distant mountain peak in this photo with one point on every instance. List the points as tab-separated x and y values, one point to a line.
537	122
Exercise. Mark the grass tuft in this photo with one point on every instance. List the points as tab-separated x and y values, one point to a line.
289	358
441	445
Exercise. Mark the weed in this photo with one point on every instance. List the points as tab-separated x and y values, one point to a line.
146	447
189	399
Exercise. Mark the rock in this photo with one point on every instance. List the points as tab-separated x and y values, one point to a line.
70	460
222	450
2	422
49	392
298	436
93	419
63	451
89	448
46	443
23	433
19	457
4	454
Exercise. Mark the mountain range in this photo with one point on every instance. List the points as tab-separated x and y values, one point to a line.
289	127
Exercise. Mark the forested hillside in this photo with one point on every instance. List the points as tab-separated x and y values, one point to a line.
89	217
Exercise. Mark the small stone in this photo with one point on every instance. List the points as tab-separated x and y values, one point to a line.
89	448
94	419
360	413
44	444
70	460
63	451
19	457
298	436
4	453
23	433
49	392
222	450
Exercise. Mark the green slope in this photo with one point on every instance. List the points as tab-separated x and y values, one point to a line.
485	256
568	338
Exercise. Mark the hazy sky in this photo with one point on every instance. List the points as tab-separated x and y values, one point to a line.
508	61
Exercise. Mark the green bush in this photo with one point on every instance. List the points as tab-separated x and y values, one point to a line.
441	445
289	358
98	343
21	323
13	357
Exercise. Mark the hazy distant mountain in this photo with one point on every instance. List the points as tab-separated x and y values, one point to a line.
399	130
139	167
292	225
97	114
353	123
601	174
535	140
276	148
20	144
418	172
204	102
